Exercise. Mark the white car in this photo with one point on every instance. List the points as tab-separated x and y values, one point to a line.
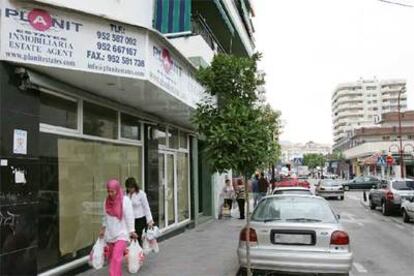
407	209
295	233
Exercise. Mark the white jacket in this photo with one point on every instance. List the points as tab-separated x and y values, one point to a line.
140	206
116	229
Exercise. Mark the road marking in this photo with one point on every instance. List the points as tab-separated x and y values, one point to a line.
360	267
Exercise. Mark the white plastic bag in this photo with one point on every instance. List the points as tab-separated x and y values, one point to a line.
149	241
235	213
97	257
135	257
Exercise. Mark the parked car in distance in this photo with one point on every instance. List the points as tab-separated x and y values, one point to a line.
329	188
361	182
389	194
296	233
407	209
291	191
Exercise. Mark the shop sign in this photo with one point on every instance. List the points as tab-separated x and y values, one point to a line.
56	38
20	141
167	71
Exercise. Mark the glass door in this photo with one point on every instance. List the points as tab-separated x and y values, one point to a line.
167	189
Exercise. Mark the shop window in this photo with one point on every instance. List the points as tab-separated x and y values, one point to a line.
182	186
173	138
130	127
100	121
183	140
58	111
161	135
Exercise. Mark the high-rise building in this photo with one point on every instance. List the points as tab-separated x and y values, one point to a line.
361	104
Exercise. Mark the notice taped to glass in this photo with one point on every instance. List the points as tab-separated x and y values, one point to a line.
51	37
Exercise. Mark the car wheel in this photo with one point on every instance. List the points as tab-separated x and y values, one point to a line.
385	210
342	197
405	216
372	206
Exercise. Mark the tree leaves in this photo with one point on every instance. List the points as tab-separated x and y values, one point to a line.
240	132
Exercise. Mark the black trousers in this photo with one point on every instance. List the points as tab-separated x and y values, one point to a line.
241	202
229	202
140	224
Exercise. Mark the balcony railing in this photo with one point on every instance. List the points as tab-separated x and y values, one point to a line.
200	27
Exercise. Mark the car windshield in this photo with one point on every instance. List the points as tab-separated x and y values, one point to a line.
294	208
291	192
330	183
403	185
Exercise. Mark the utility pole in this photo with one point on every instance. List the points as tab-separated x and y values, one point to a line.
400	132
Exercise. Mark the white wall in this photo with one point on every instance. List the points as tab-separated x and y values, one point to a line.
194	46
134	12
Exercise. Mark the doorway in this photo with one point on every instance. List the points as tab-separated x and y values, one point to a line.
167	164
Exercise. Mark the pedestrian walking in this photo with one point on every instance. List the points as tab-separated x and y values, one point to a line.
228	194
263	186
140	206
255	189
241	197
118	225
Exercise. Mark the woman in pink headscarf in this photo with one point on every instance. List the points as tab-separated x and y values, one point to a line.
118	225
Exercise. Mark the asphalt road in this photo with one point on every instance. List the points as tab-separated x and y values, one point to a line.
382	246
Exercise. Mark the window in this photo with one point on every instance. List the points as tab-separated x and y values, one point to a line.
161	135
371	87
130	127
173	138
58	111
183	140
182	186
100	121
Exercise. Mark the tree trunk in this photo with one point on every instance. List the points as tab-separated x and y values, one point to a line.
247	215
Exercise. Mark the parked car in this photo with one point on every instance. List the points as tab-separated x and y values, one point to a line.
389	194
291	190
296	233
407	209
361	182
329	188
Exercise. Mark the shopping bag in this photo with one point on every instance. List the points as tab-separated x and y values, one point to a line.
225	210
153	232
97	257
235	213
149	242
134	257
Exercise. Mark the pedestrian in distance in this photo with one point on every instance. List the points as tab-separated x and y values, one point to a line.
118	225
140	206
241	197
228	194
263	186
255	189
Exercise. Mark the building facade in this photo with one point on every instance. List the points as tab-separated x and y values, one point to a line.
369	144
91	90
361	104
290	151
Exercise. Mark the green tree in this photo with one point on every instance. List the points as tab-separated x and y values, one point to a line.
240	133
313	160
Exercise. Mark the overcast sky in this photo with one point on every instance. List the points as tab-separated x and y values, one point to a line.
309	46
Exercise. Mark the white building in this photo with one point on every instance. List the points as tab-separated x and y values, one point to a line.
361	104
297	150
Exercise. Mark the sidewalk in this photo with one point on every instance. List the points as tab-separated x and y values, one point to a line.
209	249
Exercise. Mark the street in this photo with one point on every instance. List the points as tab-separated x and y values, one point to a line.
381	245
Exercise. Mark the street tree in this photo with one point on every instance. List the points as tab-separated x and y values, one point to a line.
313	160
239	132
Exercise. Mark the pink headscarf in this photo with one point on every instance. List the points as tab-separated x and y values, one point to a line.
113	206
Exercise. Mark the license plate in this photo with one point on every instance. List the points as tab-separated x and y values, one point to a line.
293	239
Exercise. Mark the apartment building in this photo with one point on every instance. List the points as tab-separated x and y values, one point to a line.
92	90
290	151
362	103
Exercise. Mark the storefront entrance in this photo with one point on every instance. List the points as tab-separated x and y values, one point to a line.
167	189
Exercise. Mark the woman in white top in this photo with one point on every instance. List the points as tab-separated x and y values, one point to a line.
140	206
118	225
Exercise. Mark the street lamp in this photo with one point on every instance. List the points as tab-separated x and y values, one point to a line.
400	132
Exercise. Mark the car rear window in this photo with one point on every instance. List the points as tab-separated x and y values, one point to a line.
403	185
294	208
292	192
